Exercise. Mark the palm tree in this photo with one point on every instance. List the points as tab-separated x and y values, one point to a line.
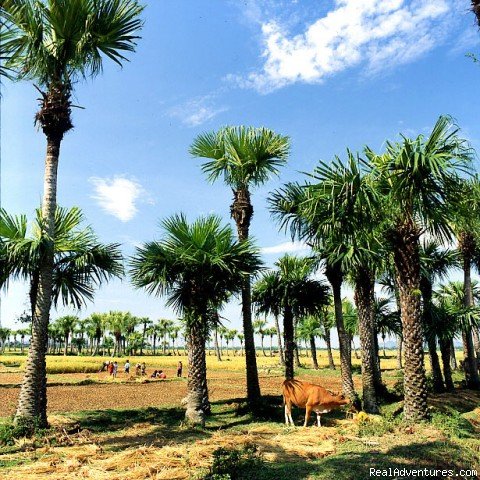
452	300
164	326
271	332
298	295
309	328
241	339
145	322
341	212
55	44
267	305
435	263
118	323
245	157
198	266
95	324
414	178
466	225
66	325
80	263
259	326
174	333
4	334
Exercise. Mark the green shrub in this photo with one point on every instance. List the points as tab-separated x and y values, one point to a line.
452	424
377	426
23	428
233	464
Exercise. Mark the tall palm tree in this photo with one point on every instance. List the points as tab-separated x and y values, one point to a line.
298	295
198	266
4	334
466	224
66	325
80	263
95	328
245	157
336	212
54	44
145	322
451	299
259	327
310	327
270	305
414	176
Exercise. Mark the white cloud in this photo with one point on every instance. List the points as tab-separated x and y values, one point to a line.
379	34
286	247
197	111
118	196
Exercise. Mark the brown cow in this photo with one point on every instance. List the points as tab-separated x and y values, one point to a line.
311	397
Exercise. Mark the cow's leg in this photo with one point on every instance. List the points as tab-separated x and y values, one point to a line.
286	414
308	410
319	416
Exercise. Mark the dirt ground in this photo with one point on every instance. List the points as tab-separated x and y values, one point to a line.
124	393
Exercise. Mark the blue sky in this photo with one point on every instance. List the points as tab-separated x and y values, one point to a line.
342	74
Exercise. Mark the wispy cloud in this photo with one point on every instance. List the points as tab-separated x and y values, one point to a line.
379	34
198	110
118	196
286	247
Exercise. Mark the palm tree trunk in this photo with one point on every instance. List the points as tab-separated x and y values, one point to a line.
399	352
407	266
466	245
32	403
295	345
197	397
331	363
445	349
426	288
313	350
355	351
241	211
288	337
217	349
453	358
476	344
263	349
335	277
280	346
438	385
364	294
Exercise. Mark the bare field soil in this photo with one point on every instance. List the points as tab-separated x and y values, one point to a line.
124	393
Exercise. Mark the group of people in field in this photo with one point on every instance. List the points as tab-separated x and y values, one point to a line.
140	369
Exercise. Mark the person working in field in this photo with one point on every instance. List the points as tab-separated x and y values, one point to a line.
104	366
110	368
179	369
127	367
115	369
144	369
